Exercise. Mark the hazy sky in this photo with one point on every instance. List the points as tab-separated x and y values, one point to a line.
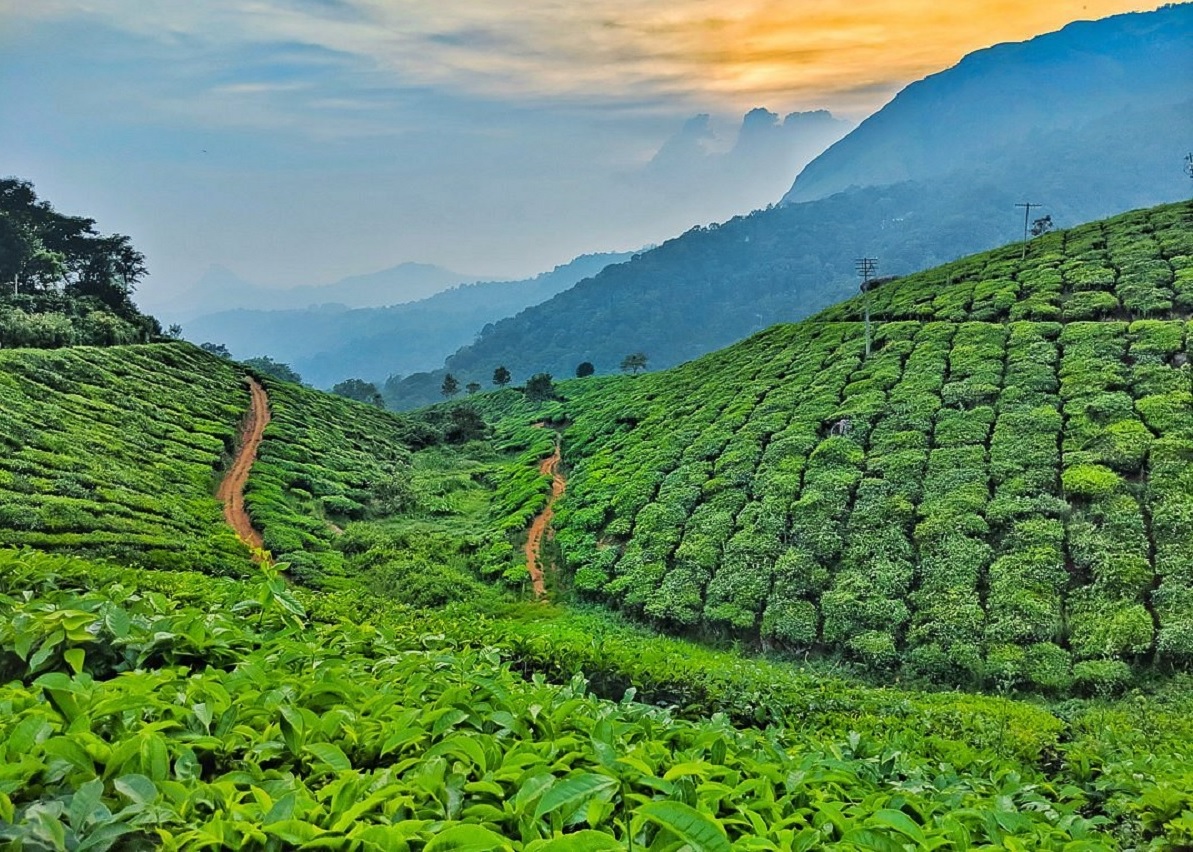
301	141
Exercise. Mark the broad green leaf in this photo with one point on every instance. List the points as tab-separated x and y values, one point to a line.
103	837
697	767
467	838
69	750
75	658
155	757
900	822
697	830
26	734
137	787
84	802
573	791
581	841
866	838
330	754
116	620
463	746
293	831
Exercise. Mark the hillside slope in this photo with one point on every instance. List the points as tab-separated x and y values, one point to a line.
1000	491
713	286
116	452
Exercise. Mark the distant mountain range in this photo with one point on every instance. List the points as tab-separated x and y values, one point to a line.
1084	157
329	343
1056	95
221	289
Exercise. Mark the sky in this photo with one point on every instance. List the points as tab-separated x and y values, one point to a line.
300	141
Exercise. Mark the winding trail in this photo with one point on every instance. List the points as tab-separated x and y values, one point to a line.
539	528
231	490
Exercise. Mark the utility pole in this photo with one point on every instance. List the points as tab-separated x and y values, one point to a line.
865	270
1027	205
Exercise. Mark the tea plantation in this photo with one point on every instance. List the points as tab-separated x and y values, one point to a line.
188	712
1000	495
998	498
117	451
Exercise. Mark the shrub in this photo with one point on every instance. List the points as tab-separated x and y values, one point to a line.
1103	678
1089	481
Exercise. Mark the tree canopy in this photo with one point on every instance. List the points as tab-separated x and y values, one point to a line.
359	390
634	363
62	282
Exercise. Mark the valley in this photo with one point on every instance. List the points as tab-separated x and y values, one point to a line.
991	500
858	522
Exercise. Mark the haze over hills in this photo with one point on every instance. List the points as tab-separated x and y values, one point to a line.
693	172
1021	104
714	285
221	289
329	343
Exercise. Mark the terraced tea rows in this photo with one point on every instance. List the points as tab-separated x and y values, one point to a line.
1000	493
117	451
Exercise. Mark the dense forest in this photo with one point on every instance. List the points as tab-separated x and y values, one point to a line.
63	283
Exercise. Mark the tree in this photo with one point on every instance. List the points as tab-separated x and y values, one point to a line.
450	386
174	332
472	387
465	424
540	387
584	368
216	349
501	377
270	367
359	390
633	362
1041	226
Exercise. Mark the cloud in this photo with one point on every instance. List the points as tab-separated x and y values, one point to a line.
694	52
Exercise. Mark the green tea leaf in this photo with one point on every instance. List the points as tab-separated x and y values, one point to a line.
573	791
84	802
467	838
900	822
293	831
74	658
697	830
330	754
580	841
137	787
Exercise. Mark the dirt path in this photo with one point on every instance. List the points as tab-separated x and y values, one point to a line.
231	490
534	541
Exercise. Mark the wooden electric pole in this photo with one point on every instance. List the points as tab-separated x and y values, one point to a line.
865	270
1027	205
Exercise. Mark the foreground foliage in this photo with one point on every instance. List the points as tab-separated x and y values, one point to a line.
195	713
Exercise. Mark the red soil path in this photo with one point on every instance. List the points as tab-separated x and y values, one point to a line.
549	467
231	490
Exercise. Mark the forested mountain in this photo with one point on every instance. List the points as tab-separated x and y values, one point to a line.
62	282
712	286
999	493
1043	101
330	343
